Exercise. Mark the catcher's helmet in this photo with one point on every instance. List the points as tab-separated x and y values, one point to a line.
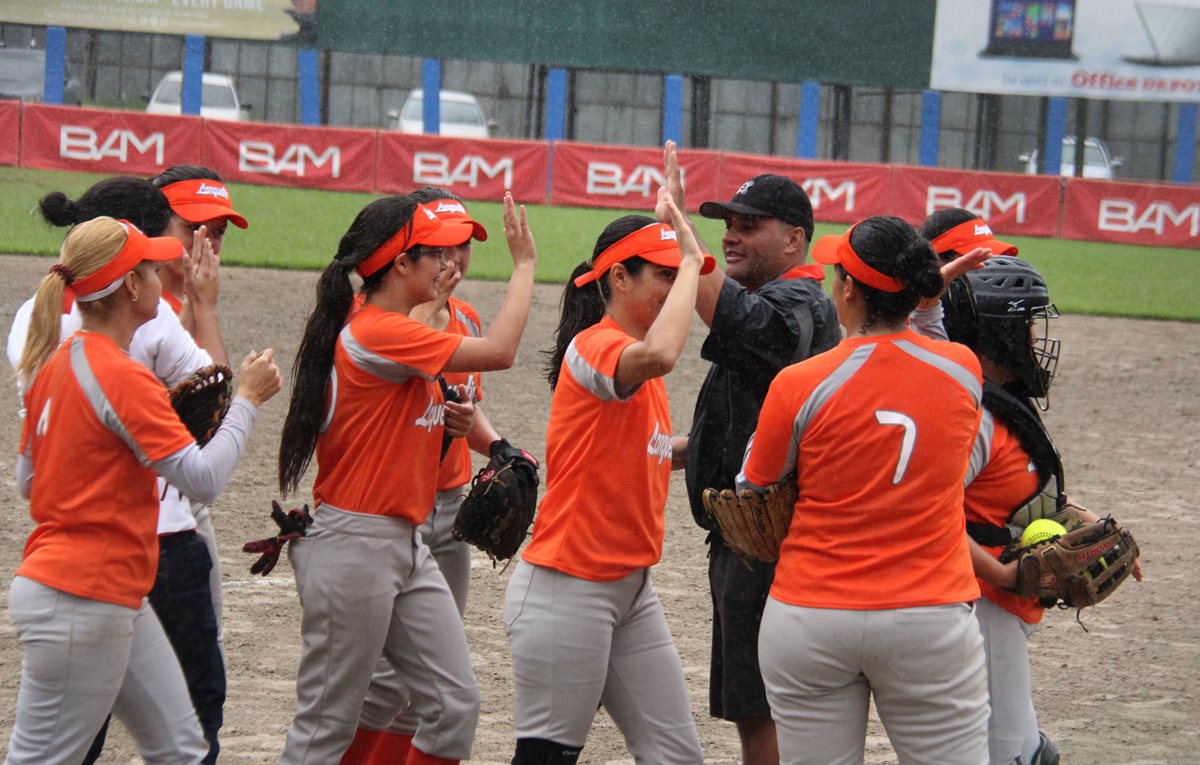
1002	311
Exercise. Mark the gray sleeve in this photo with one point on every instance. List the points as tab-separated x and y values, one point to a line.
201	474
24	475
928	322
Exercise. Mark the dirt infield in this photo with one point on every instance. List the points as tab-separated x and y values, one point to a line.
1125	412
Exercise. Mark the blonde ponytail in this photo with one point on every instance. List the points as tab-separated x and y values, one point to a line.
87	248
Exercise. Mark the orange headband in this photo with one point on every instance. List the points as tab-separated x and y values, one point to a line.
423	228
137	247
968	236
656	242
833	250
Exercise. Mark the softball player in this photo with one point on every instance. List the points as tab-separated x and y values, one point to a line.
98	429
1015	474
873	589
200	203
382	736
365	400
584	623
187	609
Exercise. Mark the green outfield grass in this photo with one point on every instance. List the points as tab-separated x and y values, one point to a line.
300	228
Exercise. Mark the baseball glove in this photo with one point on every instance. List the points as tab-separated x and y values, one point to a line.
499	509
1079	568
752	524
292	525
202	400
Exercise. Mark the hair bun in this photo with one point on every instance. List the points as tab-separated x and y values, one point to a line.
58	210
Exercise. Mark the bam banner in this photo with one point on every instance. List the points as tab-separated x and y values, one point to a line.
103	141
1132	213
10	131
1015	204
473	169
590	175
242	19
841	192
339	159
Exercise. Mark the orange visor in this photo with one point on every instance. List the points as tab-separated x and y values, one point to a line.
834	250
137	247
202	199
969	236
425	227
455	219
656	243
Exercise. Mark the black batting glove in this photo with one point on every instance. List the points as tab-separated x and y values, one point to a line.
501	449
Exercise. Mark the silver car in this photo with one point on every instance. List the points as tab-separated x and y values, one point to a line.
1098	162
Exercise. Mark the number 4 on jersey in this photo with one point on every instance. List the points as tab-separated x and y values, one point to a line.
886	417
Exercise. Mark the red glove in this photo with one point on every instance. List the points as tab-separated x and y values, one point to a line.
292	525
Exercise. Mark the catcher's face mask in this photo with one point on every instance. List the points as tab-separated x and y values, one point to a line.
1044	350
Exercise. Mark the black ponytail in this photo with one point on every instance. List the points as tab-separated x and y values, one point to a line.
374	225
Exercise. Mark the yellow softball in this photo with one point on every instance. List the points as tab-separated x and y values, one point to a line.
1041	530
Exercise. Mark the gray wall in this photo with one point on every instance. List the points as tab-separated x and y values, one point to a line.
119	69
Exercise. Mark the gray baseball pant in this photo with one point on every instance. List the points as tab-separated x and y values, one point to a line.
387	691
923	666
84	657
369	588
578	644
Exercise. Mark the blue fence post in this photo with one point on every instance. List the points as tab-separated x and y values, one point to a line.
672	124
1185	143
309	85
193	74
1056	130
808	119
56	65
431	103
556	104
931	117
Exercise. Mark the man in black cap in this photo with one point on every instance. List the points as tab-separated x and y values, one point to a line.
766	311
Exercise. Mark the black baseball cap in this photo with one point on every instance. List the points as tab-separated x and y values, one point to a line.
767	196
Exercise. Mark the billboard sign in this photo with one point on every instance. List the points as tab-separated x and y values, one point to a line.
1143	50
241	19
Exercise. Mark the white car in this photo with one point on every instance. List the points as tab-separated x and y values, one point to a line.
461	115
218	100
1098	162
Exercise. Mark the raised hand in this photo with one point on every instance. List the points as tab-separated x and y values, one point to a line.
516	231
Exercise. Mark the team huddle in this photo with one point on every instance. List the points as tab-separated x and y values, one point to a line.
877	441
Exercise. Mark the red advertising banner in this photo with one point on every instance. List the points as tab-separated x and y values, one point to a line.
10	132
592	175
1013	204
841	192
104	141
1133	213
471	168
339	159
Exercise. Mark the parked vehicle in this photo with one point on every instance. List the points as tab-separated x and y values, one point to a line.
23	76
1098	162
461	115
218	100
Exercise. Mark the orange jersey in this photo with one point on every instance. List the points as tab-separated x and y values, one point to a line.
878	431
382	434
1004	477
608	463
95	422
455	469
